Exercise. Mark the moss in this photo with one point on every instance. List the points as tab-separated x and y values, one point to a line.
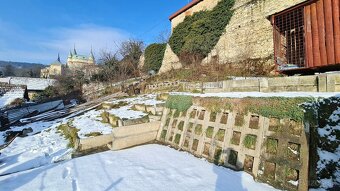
177	138
180	125
232	158
176	114
271	145
191	125
163	134
220	135
105	117
209	132
213	116
195	91
217	156
70	133
198	129
93	134
167	122
179	102
272	107
250	141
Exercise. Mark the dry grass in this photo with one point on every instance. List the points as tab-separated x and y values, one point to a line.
217	72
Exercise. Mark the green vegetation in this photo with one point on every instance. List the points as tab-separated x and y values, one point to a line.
272	107
209	132
232	158
179	102
198	129
213	116
70	133
217	156
194	38
167	122
250	141
93	134
220	135
177	138
272	145
154	55
105	117
180	125
163	134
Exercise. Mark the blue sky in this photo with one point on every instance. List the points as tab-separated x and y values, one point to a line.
36	30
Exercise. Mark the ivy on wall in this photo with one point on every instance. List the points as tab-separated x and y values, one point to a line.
197	35
154	55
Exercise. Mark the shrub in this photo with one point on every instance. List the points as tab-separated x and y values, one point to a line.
195	37
154	55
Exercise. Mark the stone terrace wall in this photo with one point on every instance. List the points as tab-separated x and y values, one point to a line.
248	35
316	83
278	155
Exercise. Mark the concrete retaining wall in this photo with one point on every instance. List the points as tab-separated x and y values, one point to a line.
315	83
94	142
225	144
129	136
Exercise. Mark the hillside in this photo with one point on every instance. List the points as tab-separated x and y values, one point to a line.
21	69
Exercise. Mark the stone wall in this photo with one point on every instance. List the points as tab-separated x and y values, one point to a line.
315	83
249	34
272	150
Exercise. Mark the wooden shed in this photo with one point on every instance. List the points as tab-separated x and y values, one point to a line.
307	37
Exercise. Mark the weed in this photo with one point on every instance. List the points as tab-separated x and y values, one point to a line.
209	132
250	141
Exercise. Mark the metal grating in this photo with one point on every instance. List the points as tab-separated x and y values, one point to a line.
289	41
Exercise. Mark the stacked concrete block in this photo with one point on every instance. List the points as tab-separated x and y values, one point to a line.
239	141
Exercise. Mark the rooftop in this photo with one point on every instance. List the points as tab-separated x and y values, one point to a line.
188	6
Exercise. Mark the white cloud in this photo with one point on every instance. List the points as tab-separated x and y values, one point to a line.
45	46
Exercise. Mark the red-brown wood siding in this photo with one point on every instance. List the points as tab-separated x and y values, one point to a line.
322	33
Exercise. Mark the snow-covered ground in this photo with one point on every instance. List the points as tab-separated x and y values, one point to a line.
261	94
91	121
11	95
148	167
35	150
50	146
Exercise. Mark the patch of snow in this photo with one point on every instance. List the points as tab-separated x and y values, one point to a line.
148	167
127	113
295	183
91	122
261	94
34	151
293	151
11	95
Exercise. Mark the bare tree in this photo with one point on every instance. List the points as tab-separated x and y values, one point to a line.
163	36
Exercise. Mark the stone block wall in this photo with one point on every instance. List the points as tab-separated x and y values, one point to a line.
272	150
314	83
249	34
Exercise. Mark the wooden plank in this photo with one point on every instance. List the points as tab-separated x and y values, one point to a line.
329	31
336	23
322	37
309	40
315	36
